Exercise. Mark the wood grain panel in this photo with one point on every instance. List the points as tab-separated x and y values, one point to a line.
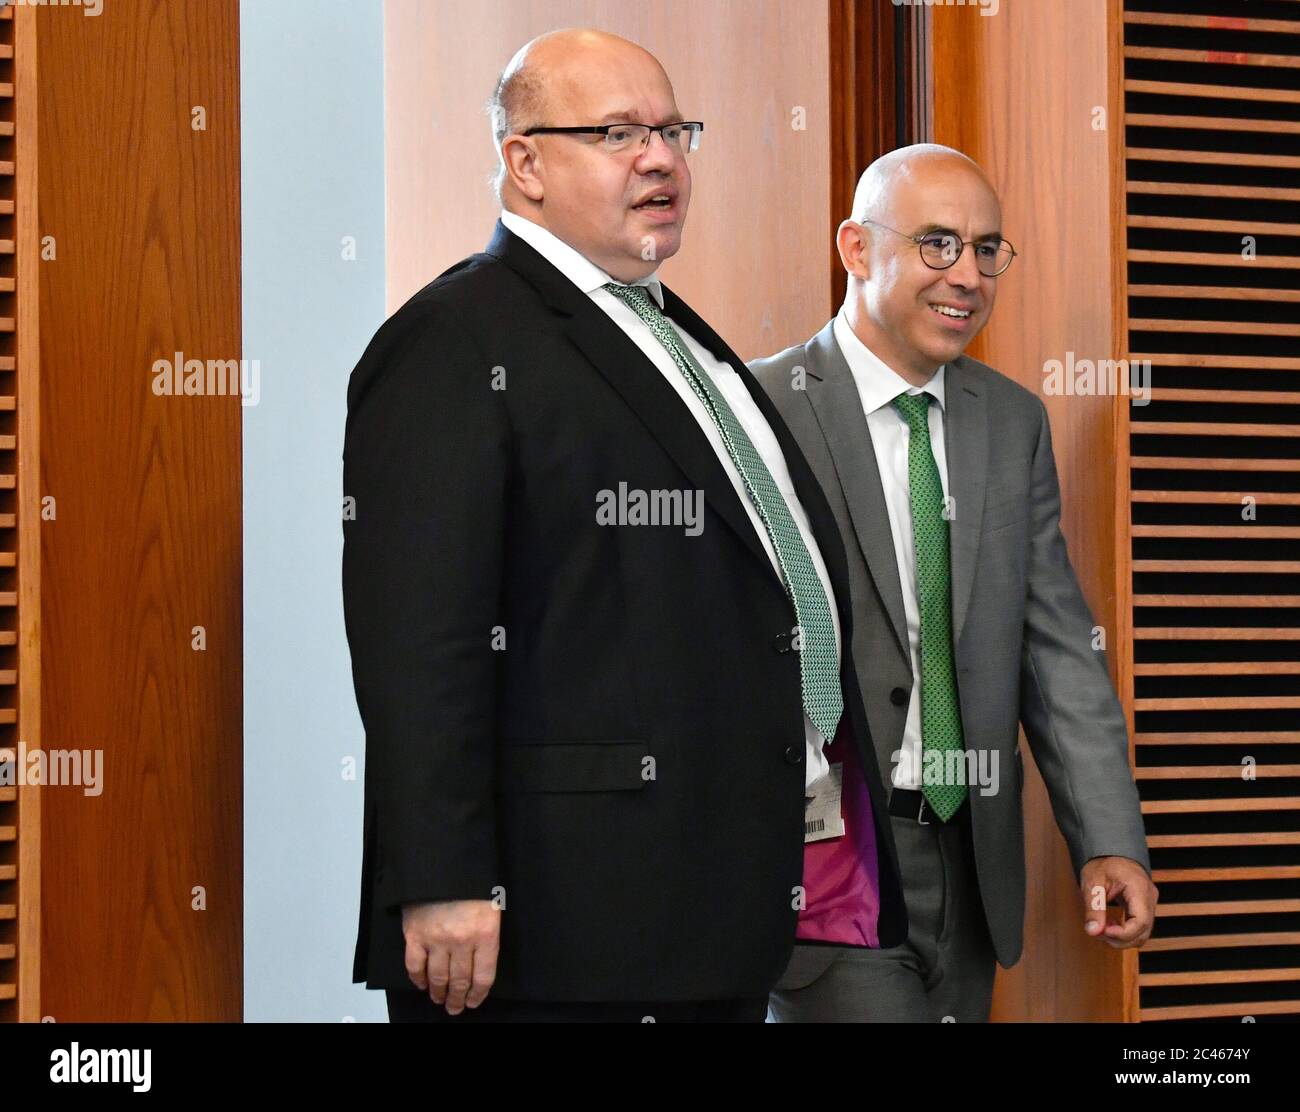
1017	92
147	540
753	259
25	519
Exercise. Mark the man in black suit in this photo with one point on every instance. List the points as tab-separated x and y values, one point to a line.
597	609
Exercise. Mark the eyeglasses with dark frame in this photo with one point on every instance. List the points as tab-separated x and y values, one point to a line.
940	250
684	137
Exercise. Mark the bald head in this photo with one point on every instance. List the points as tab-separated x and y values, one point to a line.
903	169
541	80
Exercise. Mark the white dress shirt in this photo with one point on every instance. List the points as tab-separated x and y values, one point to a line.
590	278
878	386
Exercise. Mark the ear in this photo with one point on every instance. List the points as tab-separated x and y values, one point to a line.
523	166
854	249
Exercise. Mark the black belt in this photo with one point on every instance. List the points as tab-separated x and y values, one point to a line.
908	803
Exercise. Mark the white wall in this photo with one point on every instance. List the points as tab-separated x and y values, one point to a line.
313	172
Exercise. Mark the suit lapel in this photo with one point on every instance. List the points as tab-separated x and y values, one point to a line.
834	398
835	401
637	380
966	441
807	488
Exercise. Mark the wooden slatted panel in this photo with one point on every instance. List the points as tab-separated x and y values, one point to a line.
1212	172
11	825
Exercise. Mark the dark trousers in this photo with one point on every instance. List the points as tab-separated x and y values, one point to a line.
414	1006
945	966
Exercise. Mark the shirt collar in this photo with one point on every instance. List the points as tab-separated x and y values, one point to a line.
575	266
878	384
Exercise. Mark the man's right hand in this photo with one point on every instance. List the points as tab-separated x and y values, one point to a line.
451	950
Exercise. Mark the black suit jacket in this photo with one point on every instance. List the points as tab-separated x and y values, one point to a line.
600	726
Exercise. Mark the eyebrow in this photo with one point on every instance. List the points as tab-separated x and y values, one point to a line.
632	116
926	229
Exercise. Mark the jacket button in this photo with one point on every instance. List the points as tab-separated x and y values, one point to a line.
794	754
898	696
783	642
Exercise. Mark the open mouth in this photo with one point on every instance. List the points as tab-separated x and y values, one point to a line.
952	312
659	201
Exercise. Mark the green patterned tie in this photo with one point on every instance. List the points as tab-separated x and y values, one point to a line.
940	713
818	660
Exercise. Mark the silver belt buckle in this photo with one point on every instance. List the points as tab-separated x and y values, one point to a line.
920	811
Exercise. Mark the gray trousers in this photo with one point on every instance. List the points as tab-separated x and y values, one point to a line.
944	967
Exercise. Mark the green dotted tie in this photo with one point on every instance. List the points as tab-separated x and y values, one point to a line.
819	669
940	712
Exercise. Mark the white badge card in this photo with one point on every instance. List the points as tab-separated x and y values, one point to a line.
822	815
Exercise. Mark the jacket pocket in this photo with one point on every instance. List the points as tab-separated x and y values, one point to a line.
573	766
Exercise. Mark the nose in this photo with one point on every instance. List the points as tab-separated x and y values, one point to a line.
964	272
657	154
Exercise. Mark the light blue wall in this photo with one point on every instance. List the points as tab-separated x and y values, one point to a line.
312	86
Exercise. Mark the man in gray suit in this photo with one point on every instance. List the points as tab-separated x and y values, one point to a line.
968	618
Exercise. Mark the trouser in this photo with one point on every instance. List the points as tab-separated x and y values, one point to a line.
945	966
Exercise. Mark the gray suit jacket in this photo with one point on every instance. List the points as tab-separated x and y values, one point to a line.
1023	639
